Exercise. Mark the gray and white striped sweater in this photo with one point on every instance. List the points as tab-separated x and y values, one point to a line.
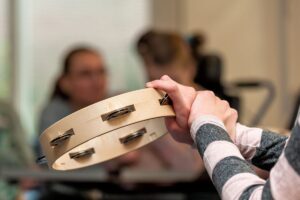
228	162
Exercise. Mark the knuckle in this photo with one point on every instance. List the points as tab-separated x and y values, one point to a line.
191	89
164	77
172	87
222	102
175	87
234	112
208	93
225	103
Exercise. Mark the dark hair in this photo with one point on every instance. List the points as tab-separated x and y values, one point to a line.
161	47
157	46
197	42
66	67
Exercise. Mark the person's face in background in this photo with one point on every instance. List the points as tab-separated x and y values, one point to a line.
86	82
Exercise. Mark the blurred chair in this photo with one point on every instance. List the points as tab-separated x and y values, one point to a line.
209	75
209	70
257	85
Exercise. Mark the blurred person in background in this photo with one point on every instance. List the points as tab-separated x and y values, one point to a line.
167	53
83	81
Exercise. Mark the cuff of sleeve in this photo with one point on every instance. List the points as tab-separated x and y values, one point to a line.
202	120
247	140
245	135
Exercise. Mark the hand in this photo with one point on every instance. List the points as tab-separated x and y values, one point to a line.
206	103
182	97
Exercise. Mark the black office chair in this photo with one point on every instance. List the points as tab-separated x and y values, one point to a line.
209	75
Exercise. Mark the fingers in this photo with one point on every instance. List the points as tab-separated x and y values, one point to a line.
166	85
202	105
230	115
206	103
178	133
169	86
157	82
182	97
225	108
171	124
165	77
225	104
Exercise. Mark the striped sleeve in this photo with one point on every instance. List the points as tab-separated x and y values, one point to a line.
261	147
231	173
284	181
285	176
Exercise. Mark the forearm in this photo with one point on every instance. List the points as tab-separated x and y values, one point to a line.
230	172
260	147
233	176
285	175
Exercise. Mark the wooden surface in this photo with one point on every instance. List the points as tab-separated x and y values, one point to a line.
90	131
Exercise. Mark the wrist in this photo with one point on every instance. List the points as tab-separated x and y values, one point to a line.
202	120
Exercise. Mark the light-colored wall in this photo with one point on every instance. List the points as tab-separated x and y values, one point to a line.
45	30
4	37
245	32
164	15
257	39
293	47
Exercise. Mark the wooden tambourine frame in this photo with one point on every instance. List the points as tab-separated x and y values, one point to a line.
106	129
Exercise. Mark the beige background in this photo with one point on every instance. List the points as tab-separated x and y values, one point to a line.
257	39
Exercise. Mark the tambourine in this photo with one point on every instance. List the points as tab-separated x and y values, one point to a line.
107	129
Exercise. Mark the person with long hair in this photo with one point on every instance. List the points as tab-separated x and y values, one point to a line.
82	82
164	52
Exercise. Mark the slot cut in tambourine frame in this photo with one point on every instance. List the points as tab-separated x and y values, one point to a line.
117	113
